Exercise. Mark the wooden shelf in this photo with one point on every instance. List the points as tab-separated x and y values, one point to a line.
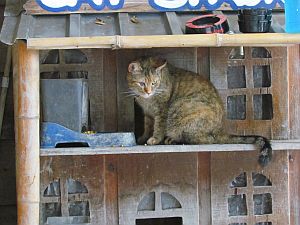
276	145
157	41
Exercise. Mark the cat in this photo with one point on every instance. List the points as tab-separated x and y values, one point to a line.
182	107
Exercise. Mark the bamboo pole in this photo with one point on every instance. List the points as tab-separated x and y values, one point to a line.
26	105
4	86
159	41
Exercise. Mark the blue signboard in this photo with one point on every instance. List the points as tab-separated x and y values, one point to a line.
161	5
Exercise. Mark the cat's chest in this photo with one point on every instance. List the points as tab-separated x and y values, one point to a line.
152	107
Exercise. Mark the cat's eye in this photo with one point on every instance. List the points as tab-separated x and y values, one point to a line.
154	83
142	84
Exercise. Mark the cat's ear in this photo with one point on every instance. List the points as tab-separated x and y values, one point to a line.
134	67
159	69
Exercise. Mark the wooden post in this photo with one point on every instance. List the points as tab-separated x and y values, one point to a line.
294	120
26	105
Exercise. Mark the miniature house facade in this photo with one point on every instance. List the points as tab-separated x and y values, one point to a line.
159	185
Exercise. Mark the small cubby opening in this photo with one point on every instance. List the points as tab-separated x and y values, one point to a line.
160	221
263	107
262	204
236	107
261	76
236	77
237	205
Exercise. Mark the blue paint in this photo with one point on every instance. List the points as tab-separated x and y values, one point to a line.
53	134
187	5
292	16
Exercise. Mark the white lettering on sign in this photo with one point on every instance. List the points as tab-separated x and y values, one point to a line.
74	5
161	5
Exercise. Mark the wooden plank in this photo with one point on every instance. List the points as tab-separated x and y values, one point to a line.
74	25
203	62
294	156
88	171
191	40
123	23
96	89
293	64
226	169
110	91
294	187
174	23
204	188
243	122
174	174
111	190
276	145
125	103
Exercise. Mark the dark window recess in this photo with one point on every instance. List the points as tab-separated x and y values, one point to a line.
80	208
160	221
239	181
50	75
263	107
264	223
52	209
259	52
236	77
72	145
75	56
168	201
261	76
262	204
237	224
75	187
147	203
237	205
53	189
237	53
260	180
78	74
236	107
51	58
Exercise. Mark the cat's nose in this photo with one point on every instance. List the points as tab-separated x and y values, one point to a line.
148	91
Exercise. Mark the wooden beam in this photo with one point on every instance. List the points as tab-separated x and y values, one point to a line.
159	41
294	123
141	149
27	109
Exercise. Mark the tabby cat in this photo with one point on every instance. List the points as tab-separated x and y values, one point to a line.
182	107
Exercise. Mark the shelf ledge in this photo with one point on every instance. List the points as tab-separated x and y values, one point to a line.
140	149
159	41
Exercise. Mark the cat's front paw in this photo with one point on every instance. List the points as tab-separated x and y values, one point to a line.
153	141
170	141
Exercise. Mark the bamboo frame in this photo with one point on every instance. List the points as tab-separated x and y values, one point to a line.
26	100
158	41
26	105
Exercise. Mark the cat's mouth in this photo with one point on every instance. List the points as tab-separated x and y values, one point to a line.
147	95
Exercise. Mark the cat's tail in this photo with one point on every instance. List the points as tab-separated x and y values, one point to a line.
263	144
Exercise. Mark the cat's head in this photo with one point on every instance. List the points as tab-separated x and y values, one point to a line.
145	75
